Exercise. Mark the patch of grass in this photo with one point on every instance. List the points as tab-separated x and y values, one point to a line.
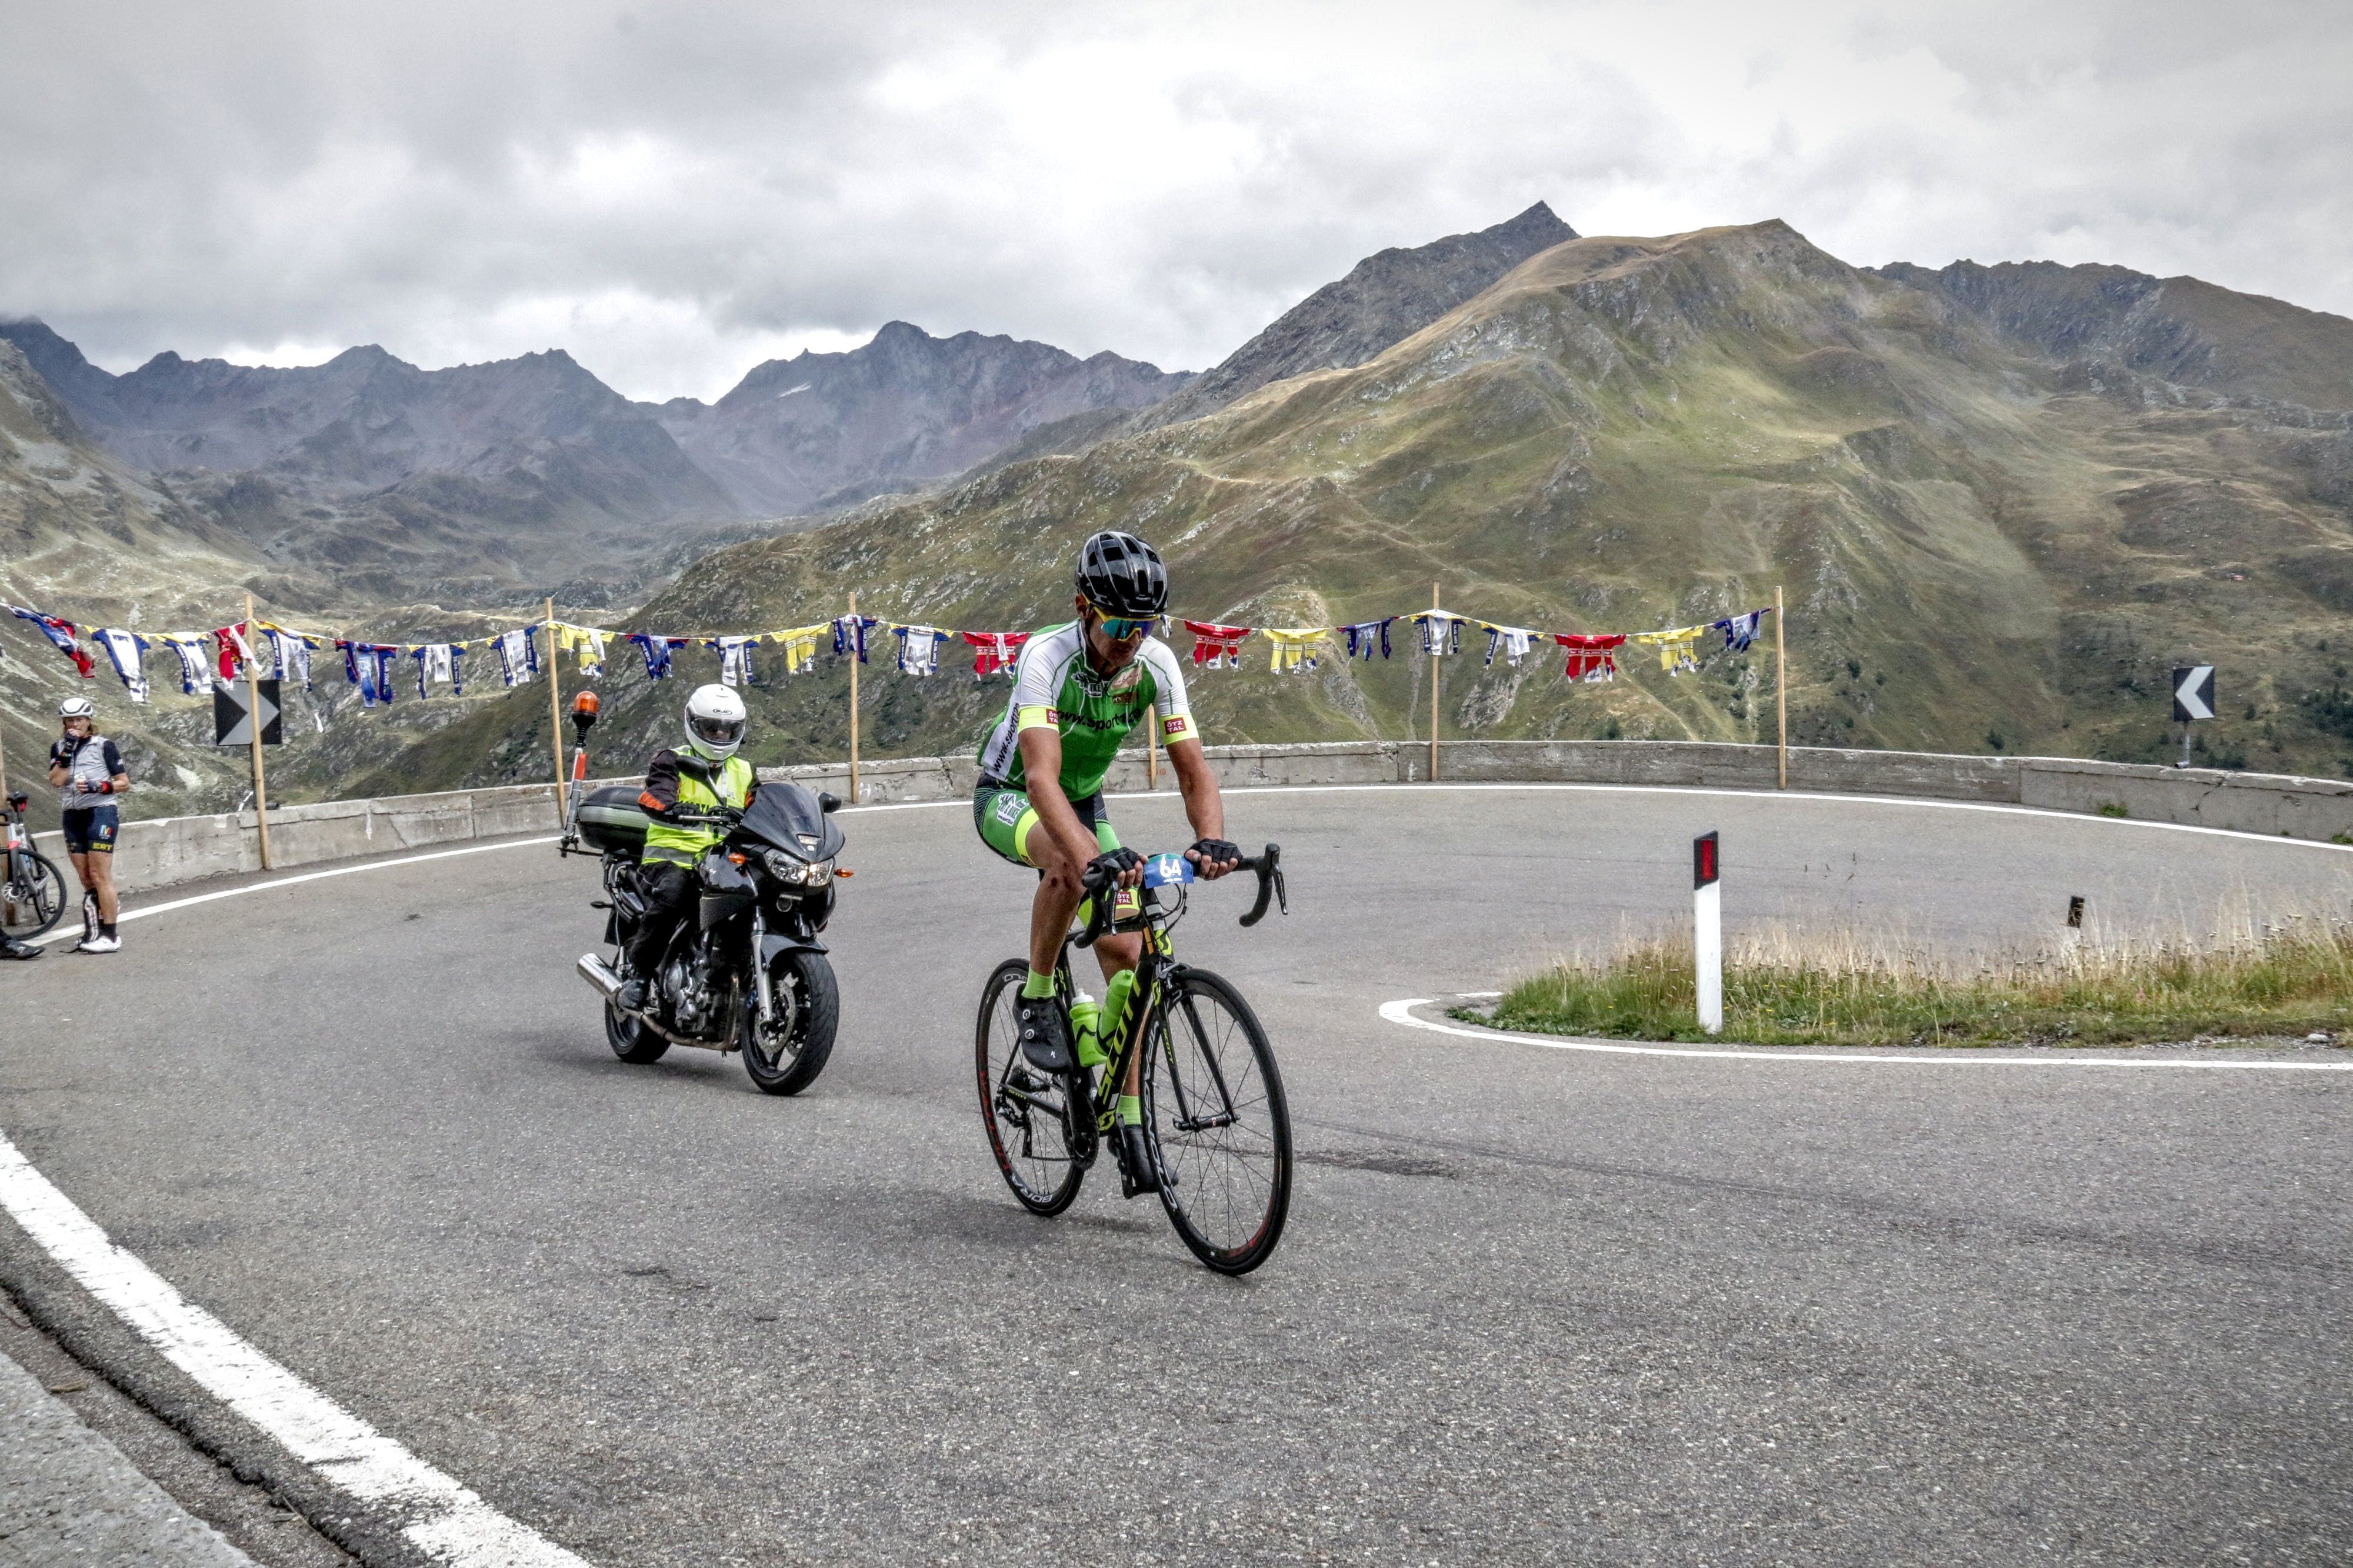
2114	808
2294	981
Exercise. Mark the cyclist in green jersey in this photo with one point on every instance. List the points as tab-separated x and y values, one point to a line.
1079	690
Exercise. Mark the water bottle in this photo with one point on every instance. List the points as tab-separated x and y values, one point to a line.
1086	1014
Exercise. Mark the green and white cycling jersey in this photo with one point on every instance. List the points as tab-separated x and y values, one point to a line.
1054	688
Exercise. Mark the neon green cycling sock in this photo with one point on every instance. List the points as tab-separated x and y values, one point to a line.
1131	1109
1036	986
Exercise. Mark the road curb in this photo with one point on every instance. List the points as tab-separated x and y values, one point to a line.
40	1290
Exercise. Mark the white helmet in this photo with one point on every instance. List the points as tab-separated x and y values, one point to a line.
714	722
78	707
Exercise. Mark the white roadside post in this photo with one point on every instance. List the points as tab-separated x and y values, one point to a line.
1708	914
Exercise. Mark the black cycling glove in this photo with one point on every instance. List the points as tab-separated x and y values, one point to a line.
1215	851
1116	864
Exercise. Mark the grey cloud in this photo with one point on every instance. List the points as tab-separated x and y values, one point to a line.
672	190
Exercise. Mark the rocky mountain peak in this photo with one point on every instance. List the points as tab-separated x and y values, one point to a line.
1385	299
903	409
88	389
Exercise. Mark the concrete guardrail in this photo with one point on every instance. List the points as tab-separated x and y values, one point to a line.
168	850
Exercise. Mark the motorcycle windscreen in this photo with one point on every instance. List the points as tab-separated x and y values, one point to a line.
789	817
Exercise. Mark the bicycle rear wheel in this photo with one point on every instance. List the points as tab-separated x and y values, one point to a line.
1028	1113
32	895
1213	1098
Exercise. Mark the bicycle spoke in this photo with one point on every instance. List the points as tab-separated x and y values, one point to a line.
1026	1112
1232	1165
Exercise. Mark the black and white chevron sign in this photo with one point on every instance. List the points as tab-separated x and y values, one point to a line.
2193	692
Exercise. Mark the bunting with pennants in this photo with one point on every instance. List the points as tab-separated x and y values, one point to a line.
201	660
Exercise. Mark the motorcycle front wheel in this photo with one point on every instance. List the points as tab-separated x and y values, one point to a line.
785	1053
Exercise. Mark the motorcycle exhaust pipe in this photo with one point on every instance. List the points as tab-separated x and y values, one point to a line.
599	974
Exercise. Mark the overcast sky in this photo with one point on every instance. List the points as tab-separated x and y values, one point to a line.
674	191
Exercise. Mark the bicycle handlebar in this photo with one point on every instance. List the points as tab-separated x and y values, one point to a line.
1267	864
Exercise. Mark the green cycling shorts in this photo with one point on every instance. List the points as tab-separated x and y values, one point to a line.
1004	819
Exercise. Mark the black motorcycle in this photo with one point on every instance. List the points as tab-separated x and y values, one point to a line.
750	973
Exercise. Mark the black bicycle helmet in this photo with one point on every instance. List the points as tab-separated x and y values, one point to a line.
1121	575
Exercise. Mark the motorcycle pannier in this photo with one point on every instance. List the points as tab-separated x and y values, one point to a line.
612	823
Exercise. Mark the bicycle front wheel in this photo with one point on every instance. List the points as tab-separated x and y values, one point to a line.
32	895
1028	1113
1213	1100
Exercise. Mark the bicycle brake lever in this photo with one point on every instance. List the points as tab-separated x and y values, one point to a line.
1099	910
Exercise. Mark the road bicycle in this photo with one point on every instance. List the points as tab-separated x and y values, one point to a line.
32	893
1216	1124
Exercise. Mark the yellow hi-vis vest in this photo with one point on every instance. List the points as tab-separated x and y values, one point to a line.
683	846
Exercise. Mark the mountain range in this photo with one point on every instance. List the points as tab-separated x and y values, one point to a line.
352	492
2003	500
502	481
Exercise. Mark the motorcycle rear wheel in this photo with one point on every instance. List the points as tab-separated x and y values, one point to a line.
810	1000
632	1039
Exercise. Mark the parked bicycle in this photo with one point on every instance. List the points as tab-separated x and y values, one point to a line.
1216	1124
32	892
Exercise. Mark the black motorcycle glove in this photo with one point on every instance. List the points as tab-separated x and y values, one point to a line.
1215	852
1116	864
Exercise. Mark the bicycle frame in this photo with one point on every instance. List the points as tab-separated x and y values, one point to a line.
1151	968
1155	966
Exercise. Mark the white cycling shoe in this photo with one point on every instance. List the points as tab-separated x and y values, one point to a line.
98	943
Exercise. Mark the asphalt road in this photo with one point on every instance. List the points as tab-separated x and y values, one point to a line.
1533	1306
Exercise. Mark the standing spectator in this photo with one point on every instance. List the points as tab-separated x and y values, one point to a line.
87	769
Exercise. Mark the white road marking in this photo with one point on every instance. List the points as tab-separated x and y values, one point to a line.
446	1520
1401	1012
163	908
145	911
2046	814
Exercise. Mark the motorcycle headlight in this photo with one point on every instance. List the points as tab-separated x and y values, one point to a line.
798	873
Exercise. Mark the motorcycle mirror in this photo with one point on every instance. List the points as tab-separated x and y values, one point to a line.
828	802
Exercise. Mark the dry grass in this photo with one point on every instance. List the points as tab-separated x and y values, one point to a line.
1783	989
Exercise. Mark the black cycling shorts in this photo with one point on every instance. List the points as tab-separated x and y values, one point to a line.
92	831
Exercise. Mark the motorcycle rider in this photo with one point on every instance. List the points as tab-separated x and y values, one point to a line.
702	778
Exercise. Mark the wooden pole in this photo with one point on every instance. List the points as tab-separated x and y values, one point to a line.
1435	632
1151	752
857	646
556	712
253	719
1781	683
